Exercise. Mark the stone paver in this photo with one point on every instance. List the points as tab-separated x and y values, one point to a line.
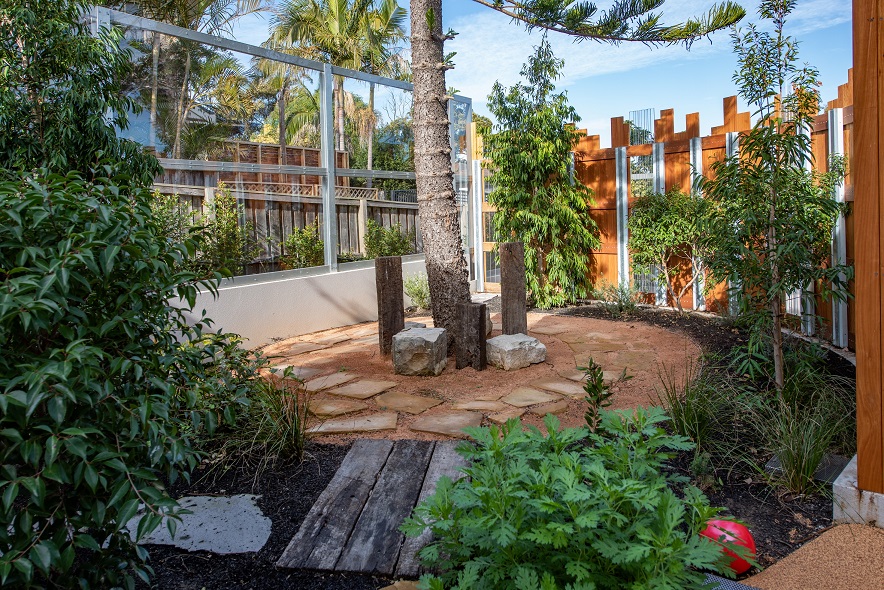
596	347
548	330
568	388
220	524
331	340
525	396
302	373
304	347
572	374
550	408
373	423
481	406
402	585
363	389
333	380
488	397
406	402
447	423
501	417
330	408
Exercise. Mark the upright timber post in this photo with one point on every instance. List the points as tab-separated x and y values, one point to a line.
867	170
391	306
513	296
470	346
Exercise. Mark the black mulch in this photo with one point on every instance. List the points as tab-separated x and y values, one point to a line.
780	524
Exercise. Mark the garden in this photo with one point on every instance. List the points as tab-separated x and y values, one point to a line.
564	433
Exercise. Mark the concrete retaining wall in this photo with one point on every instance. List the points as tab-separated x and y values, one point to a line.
290	303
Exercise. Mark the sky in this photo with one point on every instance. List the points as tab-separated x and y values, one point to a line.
604	81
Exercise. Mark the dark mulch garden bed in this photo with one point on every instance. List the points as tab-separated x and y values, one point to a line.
780	523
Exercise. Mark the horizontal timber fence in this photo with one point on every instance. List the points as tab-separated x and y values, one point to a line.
673	160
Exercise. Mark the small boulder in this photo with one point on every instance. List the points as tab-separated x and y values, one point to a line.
420	351
515	351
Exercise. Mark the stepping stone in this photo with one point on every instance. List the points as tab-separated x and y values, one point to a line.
523	397
488	397
331	340
335	407
220	524
406	402
572	374
550	408
402	585
373	423
304	347
301	373
333	380
363	389
448	423
502	417
481	406
548	330
568	388
597	347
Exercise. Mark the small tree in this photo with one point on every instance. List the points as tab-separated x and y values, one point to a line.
664	232
769	228
228	245
537	201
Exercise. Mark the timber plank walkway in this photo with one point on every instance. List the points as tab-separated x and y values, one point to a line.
354	525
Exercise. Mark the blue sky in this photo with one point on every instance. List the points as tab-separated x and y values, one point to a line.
605	81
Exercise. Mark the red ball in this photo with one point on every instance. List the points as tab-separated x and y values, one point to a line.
730	532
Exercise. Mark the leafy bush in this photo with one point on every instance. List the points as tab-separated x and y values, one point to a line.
569	509
303	248
380	241
617	299
99	378
417	287
227	245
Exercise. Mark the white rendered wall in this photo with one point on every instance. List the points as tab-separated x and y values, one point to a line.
280	305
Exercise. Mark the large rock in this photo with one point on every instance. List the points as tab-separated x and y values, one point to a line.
420	351
515	351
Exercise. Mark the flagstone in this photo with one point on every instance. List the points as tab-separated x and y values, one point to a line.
330	408
447	423
371	423
568	388
572	374
548	330
304	347
502	417
582	347
331	340
526	396
298	372
481	406
488	397
406	402
333	380
550	408
363	389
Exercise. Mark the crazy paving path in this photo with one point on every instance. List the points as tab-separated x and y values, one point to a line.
354	525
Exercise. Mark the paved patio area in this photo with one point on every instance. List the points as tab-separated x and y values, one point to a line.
354	392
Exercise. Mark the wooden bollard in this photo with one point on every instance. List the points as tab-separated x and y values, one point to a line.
513	297
470	346
391	306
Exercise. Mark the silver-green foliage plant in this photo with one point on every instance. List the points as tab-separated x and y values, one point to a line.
538	203
664	232
770	225
303	248
567	508
417	287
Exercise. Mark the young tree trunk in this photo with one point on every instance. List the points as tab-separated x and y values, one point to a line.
283	128
775	303
154	90
176	147
370	157
339	115
437	208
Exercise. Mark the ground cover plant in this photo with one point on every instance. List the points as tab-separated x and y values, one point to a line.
538	203
567	508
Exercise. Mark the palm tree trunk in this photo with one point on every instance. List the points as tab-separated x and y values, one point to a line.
283	128
370	156
154	90
437	208
176	148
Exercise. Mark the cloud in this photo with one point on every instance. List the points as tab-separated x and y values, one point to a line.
490	47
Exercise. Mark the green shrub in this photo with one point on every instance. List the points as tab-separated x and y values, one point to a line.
569	509
227	246
345	257
100	376
380	241
617	299
417	287
303	248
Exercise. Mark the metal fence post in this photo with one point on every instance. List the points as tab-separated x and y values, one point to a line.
622	200
659	160
732	149
696	155
327	137
479	231
839	233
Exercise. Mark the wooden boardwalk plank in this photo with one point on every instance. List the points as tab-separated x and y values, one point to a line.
445	461
375	541
328	525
